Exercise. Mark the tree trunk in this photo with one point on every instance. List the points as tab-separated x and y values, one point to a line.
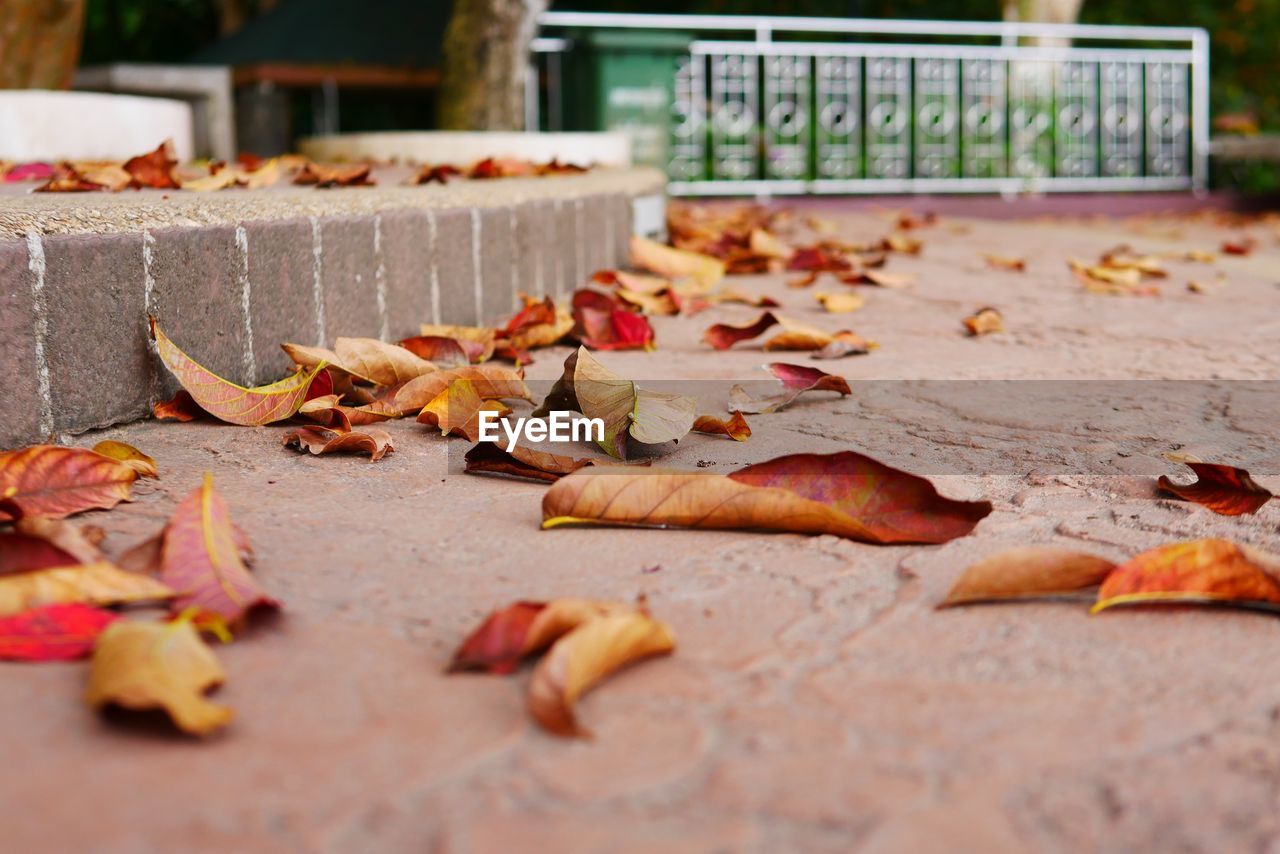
40	43
486	60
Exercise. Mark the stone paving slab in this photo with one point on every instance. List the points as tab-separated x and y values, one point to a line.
816	701
231	274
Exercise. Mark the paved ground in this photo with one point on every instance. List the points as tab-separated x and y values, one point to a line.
816	701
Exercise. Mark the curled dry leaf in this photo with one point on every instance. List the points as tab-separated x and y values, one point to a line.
227	401
1226	490
218	180
637	283
482	335
804	281
1205	571
67	180
456	410
201	559
879	278
510	634
155	168
722	336
840	303
984	321
538	324
324	440
327	411
844	494
182	407
903	243
676	263
109	176
129	455
1239	246
491	382
795	379
1005	262
584	657
54	481
767	245
99	583
38	543
379	362
1028	573
334	175
754	300
491	458
648	417
52	632
141	666
844	343
443	352
736	428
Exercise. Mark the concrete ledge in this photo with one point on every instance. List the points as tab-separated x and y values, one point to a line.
603	148
230	275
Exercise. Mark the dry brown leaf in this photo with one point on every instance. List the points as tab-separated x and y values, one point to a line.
129	455
1028	573
1005	262
491	382
384	364
984	321
1199	571
841	303
676	263
491	458
510	634
456	410
736	427
373	441
585	656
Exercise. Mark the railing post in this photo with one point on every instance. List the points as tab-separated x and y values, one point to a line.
1200	112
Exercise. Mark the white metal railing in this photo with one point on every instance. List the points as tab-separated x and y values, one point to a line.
762	105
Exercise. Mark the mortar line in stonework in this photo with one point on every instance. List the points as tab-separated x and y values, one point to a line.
317	280
149	309
249	360
380	280
36	264
475	264
433	252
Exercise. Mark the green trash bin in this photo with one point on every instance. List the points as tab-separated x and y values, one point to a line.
624	80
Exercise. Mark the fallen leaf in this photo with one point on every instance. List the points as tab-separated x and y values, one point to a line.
129	455
99	583
334	175
844	343
754	300
844	494
52	632
227	401
67	180
519	630
635	282
676	263
55	481
736	428
818	259
456	410
155	168
538	324
1196	287
879	278
435	174
219	180
585	656
35	171
1225	490
840	303
1206	571
37	543
201	559
110	176
328	412
648	417
1005	262
491	458
804	281
182	407
767	245
795	379
373	441
903	243
141	666
443	352
722	336
491	382
1028	573
379	362
601	322
1200	256
1239	246
984	321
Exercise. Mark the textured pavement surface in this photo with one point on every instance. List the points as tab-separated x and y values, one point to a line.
816	700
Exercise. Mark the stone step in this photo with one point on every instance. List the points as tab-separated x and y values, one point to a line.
232	274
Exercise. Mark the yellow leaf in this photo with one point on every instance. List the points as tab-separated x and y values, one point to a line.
129	455
676	263
165	666
98	583
840	303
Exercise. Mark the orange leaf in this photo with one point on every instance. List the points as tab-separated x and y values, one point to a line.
840	303
201	559
456	410
1224	489
322	440
845	494
53	481
676	263
165	666
379	362
587	655
182	407
1005	262
334	175
984	321
490	458
492	382
155	168
1206	571
736	428
443	352
227	401
1027	573
521	629
326	410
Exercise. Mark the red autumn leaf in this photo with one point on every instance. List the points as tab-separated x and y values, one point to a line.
1223	489
722	336
444	352
201	560
54	481
736	427
603	323
522	628
796	380
817	259
155	168
53	632
36	171
37	543
1239	246
334	175
435	174
68	180
1199	571
182	407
